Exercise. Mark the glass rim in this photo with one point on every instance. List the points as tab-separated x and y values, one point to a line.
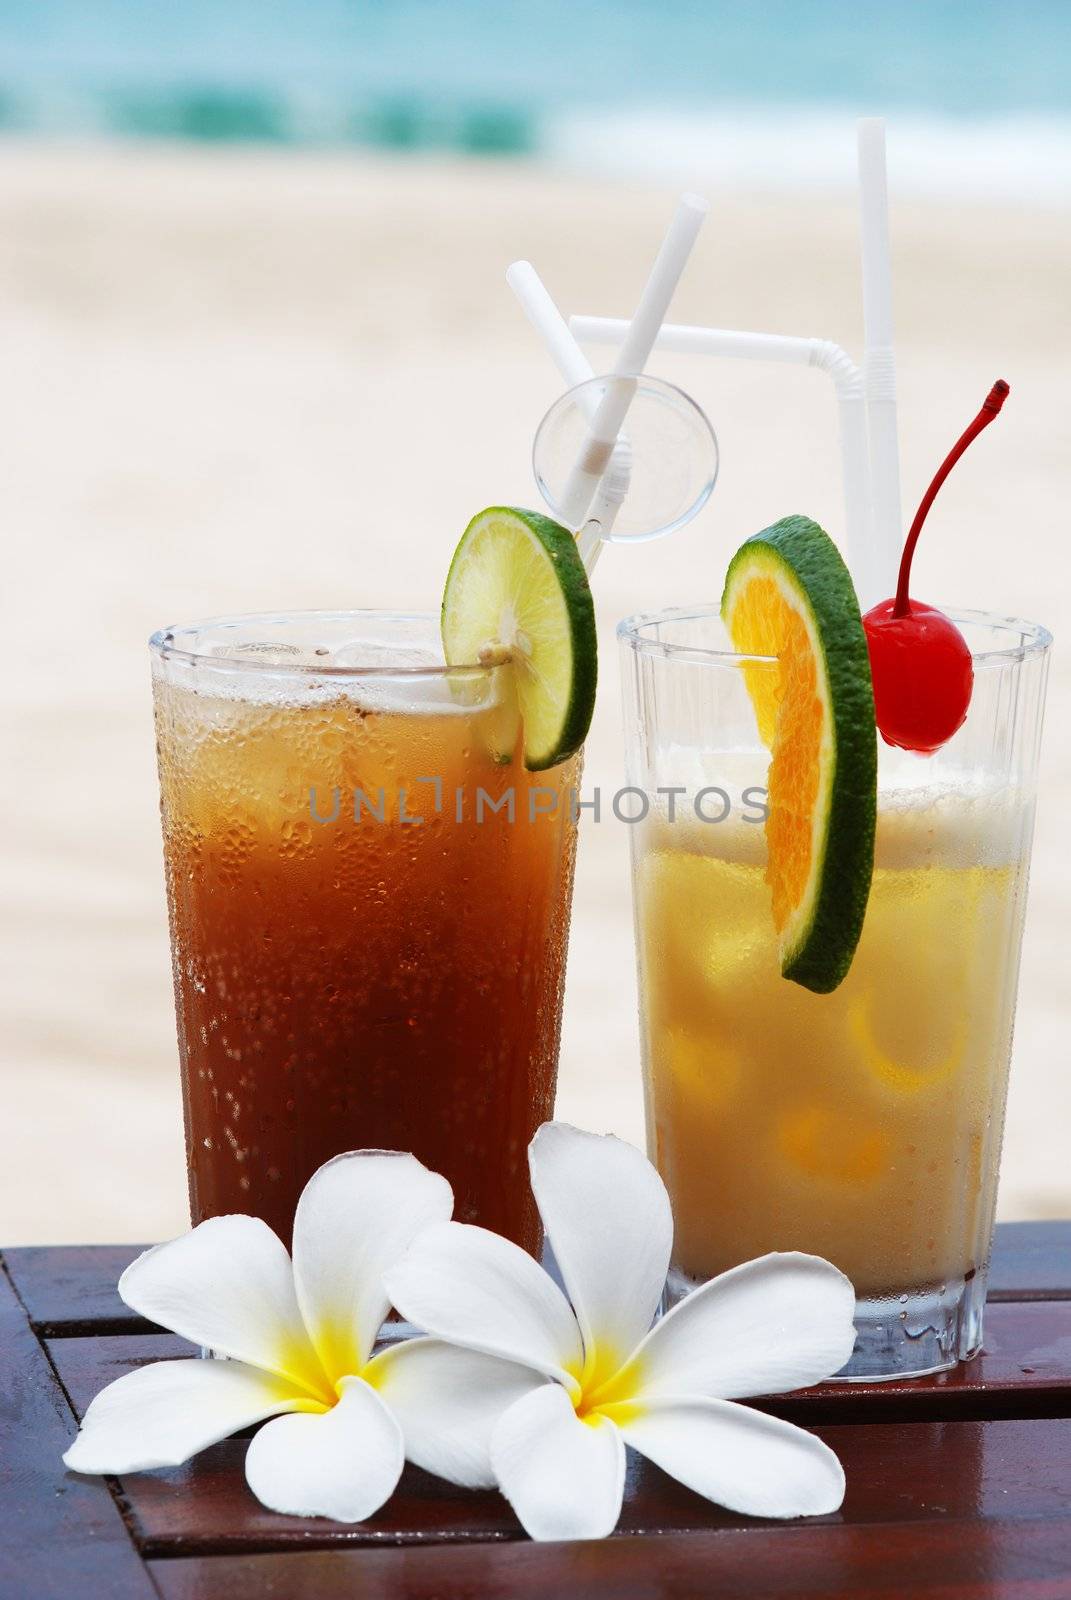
1033	639
163	644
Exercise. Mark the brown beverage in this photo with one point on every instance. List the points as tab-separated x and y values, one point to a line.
367	954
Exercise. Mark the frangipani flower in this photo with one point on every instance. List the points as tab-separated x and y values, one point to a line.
588	1378
299	1336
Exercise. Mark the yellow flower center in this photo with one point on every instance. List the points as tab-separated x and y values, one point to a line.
605	1382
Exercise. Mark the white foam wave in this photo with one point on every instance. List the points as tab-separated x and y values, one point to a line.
1015	157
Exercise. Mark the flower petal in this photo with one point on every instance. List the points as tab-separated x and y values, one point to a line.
344	1463
159	1416
564	1478
474	1288
740	1458
608	1217
356	1216
780	1322
448	1401
228	1284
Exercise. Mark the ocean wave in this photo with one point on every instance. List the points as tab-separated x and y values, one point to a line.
1012	156
1009	157
217	113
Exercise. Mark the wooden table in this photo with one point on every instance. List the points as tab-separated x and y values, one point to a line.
958	1486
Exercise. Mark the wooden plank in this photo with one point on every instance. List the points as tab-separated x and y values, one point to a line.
896	1470
903	1472
1031	1261
1024	1371
86	1364
62	1535
935	1561
70	1289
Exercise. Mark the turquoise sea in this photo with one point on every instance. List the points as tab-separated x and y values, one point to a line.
758	88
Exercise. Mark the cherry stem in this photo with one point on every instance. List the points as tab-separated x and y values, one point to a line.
990	409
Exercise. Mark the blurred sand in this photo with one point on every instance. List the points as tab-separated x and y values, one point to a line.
246	380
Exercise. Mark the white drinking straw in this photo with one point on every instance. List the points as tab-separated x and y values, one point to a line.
536	302
538	306
879	366
821	353
594	457
692	339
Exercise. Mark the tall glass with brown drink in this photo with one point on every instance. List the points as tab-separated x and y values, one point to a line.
369	911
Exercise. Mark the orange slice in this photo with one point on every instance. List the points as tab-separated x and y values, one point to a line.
788	595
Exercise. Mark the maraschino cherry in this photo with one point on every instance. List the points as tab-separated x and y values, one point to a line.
919	660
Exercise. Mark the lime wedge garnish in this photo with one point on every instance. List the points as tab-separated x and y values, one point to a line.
517	592
788	594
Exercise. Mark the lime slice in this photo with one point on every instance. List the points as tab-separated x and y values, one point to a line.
517	592
788	594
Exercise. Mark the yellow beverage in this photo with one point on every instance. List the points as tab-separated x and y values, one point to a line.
862	1125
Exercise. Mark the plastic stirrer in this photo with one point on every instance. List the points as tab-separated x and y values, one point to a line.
538	306
879	364
822	354
594	457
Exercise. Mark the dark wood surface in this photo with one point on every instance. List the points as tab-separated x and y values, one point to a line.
70	1289
936	1560
959	1486
46	1513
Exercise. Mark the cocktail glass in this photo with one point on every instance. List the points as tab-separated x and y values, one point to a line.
369	911
863	1125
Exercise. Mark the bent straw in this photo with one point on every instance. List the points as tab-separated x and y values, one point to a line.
632	358
820	353
691	339
538	306
879	364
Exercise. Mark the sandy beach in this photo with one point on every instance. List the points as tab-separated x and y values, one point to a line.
250	380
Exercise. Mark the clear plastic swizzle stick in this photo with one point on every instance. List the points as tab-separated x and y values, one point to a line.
661	483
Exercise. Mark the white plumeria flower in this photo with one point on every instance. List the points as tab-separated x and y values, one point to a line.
299	1336
542	1396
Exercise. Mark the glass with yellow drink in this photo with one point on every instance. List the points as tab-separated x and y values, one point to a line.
369	908
863	1124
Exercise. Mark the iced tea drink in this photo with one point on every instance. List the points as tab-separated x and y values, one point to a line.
369	912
